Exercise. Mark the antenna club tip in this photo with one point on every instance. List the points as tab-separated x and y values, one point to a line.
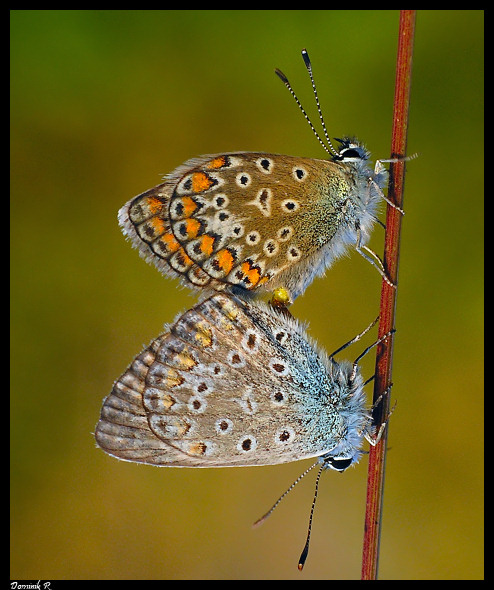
281	75
300	566
258	522
305	56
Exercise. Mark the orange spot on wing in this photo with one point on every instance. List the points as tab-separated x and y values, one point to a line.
173	379
204	336
157	224
252	273
225	260
185	259
189	206
154	205
171	242
201	182
218	162
185	360
207	243
197	448
192	227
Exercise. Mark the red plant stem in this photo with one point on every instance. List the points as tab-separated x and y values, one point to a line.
384	353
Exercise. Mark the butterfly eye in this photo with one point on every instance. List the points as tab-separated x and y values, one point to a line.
352	154
350	150
338	463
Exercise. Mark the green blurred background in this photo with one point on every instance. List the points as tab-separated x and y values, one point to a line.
106	102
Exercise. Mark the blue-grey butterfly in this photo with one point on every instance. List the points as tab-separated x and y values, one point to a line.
233	383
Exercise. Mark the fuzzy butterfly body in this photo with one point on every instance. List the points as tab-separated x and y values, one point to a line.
231	384
246	221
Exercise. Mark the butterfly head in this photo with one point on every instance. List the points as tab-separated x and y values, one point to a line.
354	418
351	150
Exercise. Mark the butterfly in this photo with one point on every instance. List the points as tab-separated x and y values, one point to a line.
253	222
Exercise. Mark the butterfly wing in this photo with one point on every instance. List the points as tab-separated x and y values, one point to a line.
145	221
228	384
250	220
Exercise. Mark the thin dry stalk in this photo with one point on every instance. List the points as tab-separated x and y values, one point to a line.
384	354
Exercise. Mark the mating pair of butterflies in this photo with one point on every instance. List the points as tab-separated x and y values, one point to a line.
235	381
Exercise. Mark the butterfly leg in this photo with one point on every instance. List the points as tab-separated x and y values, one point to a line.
355	339
378	170
366	253
373	440
367	350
